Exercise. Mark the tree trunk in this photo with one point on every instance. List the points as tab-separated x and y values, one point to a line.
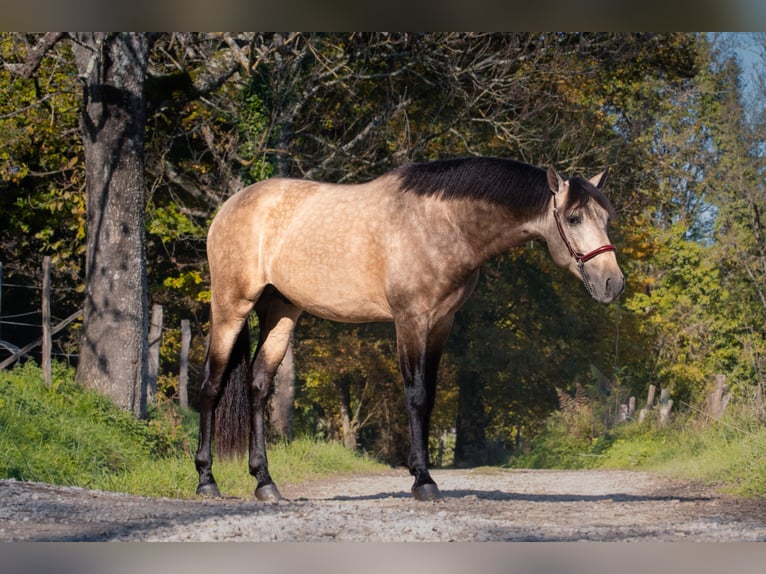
155	342
283	399
113	350
349	427
470	439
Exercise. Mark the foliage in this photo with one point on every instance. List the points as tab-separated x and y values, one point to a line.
573	436
352	379
689	316
42	198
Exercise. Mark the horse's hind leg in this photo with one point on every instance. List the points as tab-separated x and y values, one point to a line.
277	318
225	335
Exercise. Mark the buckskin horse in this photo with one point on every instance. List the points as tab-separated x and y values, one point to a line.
405	247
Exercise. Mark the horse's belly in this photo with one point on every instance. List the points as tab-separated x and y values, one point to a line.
348	311
328	297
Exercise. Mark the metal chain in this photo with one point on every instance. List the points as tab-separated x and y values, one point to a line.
585	278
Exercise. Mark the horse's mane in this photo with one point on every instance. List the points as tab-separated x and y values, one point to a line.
507	182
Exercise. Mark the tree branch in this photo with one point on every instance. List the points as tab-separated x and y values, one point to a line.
35	55
192	85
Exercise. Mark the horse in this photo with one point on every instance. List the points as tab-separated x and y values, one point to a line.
406	248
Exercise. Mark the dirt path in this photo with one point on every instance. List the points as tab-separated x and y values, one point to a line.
479	505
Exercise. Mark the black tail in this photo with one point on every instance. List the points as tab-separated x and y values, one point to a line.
232	415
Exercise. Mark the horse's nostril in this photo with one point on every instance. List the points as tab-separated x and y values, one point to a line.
615	288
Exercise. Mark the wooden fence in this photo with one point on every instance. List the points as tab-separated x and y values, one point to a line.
717	401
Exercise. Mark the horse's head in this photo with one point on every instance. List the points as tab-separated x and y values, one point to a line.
575	232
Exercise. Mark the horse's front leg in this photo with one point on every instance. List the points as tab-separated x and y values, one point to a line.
416	363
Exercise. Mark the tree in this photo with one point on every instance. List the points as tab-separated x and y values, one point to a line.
113	69
113	349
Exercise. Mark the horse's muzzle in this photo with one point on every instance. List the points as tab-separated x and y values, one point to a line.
613	288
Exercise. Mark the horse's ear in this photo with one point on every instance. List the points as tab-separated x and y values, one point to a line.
599	180
555	183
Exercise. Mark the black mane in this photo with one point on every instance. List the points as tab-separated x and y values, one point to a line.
503	181
506	182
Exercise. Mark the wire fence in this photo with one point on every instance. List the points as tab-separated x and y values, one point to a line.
14	345
50	326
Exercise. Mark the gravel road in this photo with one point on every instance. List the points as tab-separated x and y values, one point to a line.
478	505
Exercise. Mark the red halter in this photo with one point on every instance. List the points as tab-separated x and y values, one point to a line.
579	257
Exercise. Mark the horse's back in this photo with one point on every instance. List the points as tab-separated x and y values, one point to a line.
323	246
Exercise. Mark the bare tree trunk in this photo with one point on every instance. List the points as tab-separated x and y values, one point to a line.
348	427
282	401
113	351
153	365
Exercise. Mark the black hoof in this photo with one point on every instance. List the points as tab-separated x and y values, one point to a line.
268	493
428	491
209	490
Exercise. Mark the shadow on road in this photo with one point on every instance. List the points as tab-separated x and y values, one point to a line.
498	495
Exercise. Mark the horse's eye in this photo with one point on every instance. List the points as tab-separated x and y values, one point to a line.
574	220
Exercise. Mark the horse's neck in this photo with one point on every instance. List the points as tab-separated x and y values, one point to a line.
492	229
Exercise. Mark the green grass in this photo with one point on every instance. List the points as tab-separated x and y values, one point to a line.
67	435
730	454
70	436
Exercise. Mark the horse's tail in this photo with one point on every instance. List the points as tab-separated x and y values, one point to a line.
232	415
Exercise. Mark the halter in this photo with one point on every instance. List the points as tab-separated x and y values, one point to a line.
579	257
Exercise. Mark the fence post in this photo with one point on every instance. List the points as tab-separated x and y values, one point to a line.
718	400
183	375
666	403
46	312
155	337
649	404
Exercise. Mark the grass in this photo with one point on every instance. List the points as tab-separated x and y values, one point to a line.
70	436
729	454
67	435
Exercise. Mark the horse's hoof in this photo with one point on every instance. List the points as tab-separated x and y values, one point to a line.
427	491
268	493
209	490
